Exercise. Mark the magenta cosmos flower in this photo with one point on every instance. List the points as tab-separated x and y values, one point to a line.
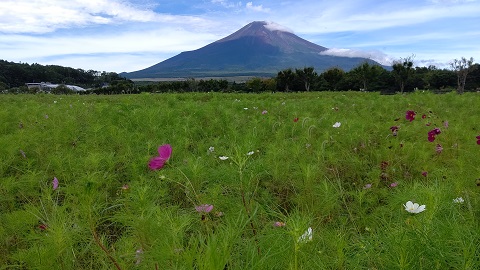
410	115
164	153
478	139
432	133
204	208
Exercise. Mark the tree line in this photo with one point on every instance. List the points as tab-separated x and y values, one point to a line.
463	75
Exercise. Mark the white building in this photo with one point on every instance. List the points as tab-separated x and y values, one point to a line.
47	87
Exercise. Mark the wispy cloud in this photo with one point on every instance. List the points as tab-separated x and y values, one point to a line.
377	56
258	8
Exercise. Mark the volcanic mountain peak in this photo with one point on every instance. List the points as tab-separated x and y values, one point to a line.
257	49
273	34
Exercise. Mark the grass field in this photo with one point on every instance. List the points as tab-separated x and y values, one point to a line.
76	190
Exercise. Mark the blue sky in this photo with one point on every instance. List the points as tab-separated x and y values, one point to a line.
128	35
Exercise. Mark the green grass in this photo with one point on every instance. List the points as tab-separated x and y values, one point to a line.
111	212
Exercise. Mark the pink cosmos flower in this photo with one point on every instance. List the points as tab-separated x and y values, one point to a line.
164	153
204	208
55	183
410	115
394	184
424	116
264	112
439	148
279	224
478	139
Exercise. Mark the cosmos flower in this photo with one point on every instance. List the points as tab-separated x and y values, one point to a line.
458	200
211	149
164	153
55	183
295	119
414	208
394	130
250	153
438	148
279	224
410	115
367	186
204	208
432	133
264	112
478	139
306	236
223	157
394	184
424	173
337	125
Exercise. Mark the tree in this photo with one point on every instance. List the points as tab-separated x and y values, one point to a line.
366	73
402	70
462	67
307	75
285	79
333	76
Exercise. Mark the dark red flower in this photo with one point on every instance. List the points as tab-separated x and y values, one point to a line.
424	116
478	139
410	115
295	119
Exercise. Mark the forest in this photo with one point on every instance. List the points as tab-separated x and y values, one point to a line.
402	77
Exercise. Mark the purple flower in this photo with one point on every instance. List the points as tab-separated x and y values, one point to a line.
164	153
204	208
410	115
55	183
424	173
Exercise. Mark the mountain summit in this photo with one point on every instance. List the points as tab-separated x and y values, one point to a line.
257	49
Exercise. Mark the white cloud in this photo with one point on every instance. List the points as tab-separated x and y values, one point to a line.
258	8
377	56
272	26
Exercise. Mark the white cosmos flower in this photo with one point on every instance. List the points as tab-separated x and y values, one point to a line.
211	149
306	236
223	157
250	153
458	200
337	124
414	208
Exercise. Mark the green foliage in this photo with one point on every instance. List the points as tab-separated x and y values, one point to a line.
111	212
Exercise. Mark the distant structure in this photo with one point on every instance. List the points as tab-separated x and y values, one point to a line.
47	87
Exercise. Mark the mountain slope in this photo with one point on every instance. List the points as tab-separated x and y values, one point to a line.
257	49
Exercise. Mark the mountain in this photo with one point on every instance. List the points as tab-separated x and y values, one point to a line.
258	49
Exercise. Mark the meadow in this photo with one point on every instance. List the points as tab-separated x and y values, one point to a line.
253	181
